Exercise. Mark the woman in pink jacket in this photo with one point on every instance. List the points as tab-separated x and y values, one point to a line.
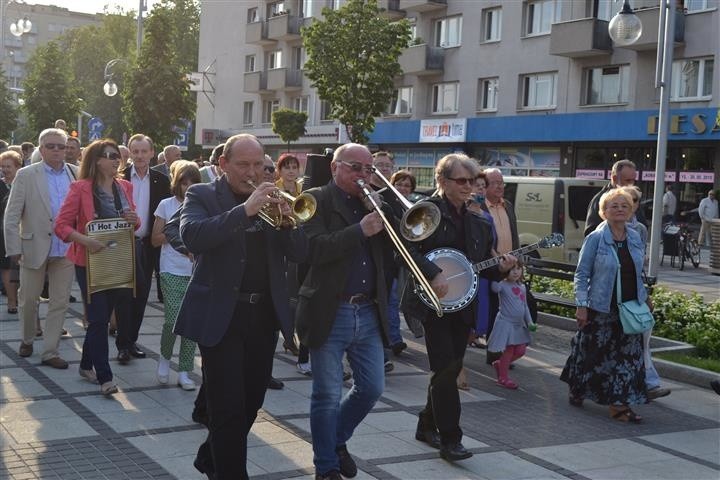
95	195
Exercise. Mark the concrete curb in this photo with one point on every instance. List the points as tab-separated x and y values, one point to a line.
670	370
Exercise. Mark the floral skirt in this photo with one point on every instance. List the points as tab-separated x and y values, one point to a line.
606	365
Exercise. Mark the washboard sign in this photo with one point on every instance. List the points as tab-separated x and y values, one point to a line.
114	266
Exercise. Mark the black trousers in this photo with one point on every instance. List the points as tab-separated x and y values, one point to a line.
130	317
446	341
236	374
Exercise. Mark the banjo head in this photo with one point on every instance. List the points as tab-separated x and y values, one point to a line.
462	281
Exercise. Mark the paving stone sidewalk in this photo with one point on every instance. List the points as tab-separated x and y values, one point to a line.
55	425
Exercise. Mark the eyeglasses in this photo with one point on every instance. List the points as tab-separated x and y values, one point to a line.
54	146
460	181
358	167
269	169
111	155
496	183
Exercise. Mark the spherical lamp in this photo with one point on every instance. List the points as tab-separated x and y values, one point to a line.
110	88
625	27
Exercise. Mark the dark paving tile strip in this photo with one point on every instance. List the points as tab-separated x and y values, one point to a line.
103	450
160	431
548	465
684	456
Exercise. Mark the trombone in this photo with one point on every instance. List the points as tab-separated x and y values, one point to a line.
420	220
302	209
419	277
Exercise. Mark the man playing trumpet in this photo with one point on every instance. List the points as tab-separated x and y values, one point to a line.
237	297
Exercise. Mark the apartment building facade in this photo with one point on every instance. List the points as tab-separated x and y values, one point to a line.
533	86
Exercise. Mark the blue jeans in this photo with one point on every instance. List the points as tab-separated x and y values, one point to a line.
95	346
333	417
394	315
652	379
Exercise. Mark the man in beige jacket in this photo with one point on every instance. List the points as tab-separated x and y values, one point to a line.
35	199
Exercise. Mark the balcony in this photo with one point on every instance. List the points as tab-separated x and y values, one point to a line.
649	38
422	5
257	33
586	37
284	27
255	82
391	9
284	79
422	60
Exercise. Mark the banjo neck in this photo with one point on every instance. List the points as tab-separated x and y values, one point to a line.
480	266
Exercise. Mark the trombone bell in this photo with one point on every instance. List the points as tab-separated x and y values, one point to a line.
419	221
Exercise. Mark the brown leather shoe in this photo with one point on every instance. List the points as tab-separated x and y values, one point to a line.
55	362
25	350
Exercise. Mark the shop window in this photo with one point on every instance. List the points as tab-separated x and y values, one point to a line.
445	98
487	94
401	103
491	26
692	79
607	85
448	32
539	91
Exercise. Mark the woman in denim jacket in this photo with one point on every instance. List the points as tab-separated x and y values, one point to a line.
605	364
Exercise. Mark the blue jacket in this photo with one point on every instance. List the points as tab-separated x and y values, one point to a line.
596	273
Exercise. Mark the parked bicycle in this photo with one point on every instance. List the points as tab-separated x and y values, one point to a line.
679	242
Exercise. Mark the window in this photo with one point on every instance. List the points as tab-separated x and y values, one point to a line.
492	19
697	5
603	9
306	8
300	104
539	90
274	59
607	85
487	97
333	4
298	58
252	15
448	32
249	63
692	79
540	15
325	111
275	9
401	103
445	98
269	106
248	113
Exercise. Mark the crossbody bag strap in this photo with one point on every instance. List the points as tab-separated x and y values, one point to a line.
619	284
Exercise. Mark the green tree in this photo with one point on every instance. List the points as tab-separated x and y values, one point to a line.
352	61
49	89
8	119
185	16
289	124
156	92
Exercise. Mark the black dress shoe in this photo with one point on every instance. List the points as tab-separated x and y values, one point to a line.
331	475
123	357
348	469
136	352
275	384
72	299
398	348
454	451
200	417
431	437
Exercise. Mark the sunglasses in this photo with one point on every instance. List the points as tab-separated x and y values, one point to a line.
358	167
460	181
111	155
54	146
269	169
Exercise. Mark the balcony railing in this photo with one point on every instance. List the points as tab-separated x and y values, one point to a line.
284	27
585	37
422	5
422	60
649	38
257	33
255	82
284	79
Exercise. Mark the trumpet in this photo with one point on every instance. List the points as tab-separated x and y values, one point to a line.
419	220
414	269
302	209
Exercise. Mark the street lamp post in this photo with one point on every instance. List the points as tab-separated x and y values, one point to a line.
663	73
110	87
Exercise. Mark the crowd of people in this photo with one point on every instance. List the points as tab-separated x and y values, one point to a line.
230	280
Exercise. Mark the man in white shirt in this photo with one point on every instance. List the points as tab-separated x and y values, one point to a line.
708	210
669	205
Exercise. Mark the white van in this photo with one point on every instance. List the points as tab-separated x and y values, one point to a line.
545	205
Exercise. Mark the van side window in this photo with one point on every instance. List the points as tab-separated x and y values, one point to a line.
580	198
511	192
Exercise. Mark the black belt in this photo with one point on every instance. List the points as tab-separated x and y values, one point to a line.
357	299
251	298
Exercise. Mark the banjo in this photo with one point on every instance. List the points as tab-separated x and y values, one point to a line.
462	275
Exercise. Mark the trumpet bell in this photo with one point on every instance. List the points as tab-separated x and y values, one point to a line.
303	207
420	221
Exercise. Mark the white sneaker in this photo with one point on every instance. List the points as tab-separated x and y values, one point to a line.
185	382
304	368
163	370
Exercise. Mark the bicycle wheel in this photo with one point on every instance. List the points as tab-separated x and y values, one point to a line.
681	252
693	250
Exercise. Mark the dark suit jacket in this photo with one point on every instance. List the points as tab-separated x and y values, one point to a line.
334	238
212	227
159	189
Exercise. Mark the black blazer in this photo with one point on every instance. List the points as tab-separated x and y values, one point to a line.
334	237
212	227
159	189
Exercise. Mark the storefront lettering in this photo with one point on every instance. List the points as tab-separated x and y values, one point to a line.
678	125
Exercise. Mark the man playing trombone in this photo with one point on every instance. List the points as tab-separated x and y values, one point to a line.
342	309
237	297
